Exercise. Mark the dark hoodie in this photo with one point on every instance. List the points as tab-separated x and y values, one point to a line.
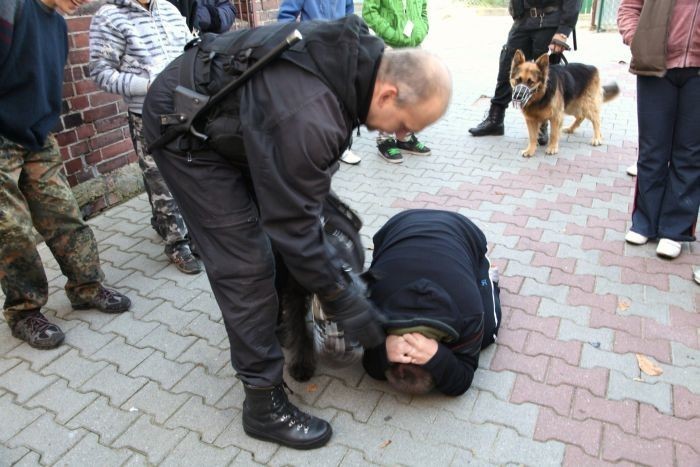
295	119
430	268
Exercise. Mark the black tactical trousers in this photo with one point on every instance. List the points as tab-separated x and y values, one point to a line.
216	203
533	43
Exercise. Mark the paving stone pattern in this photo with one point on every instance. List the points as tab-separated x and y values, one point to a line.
562	386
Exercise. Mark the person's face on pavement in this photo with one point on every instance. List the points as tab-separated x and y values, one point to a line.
65	6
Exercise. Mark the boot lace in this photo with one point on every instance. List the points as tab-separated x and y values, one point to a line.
288	412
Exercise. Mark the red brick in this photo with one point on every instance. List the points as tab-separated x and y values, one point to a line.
587	231
630	324
489	197
621	413
680	317
512	285
581	281
564	264
685	455
667	268
633	263
555	397
585	434
635	276
575	457
685	403
67	137
80	40
123	147
105	139
657	348
687	335
455	203
506	359
578	297
79	148
540	248
100	98
67	90
528	304
79	103
520	221
100	112
553	206
617	226
616	248
569	351
93	158
110	123
515	340
653	424
76	56
593	379
112	164
78	23
65	154
619	446
85	131
574	200
533	234
428	198
549	326
73	165
542	214
72	180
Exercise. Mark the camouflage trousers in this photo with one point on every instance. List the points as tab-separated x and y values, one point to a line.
166	219
34	192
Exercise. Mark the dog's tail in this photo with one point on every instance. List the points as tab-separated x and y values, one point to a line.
610	91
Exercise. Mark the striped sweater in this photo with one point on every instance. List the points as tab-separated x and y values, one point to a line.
130	45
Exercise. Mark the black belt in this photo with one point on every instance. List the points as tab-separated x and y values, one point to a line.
535	12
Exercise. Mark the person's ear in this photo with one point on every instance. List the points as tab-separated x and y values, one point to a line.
387	93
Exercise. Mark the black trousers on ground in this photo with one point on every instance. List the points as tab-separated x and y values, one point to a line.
667	196
216	202
533	43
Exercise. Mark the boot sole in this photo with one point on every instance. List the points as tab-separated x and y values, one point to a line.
490	133
317	443
108	311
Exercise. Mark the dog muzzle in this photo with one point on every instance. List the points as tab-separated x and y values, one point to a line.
522	95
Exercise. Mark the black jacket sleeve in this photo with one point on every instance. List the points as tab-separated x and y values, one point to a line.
293	129
453	372
569	16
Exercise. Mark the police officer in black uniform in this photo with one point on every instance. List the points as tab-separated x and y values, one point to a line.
538	25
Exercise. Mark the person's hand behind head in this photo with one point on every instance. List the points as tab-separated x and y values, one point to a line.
422	348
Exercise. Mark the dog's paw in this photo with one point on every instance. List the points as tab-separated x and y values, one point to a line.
596	141
527	152
568	130
551	150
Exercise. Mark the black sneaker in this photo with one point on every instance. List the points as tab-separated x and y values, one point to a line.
413	146
183	259
37	331
389	150
106	300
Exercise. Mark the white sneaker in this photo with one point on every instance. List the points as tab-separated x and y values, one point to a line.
668	248
635	239
696	276
350	157
632	170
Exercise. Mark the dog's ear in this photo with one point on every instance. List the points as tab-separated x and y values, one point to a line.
542	61
518	58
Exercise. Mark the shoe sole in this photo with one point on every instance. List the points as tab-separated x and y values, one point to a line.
415	153
317	443
108	311
186	271
391	161
496	133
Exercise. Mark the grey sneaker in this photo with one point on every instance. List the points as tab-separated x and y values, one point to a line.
37	331
106	300
183	259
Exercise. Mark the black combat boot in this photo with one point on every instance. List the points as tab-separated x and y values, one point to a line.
268	415
543	134
492	124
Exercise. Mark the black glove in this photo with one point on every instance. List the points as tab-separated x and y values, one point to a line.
360	319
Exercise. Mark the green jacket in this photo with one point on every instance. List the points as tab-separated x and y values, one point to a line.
388	19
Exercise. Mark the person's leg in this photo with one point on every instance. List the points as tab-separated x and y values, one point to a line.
166	219
657	101
681	199
57	217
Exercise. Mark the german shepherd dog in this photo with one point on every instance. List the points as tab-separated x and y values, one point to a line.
546	93
341	227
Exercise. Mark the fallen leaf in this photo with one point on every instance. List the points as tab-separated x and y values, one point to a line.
623	305
647	366
312	388
385	444
638	379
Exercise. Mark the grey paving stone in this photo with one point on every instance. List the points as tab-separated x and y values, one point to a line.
509	447
114	274
30	459
151	248
116	386
552	293
354	458
154	441
245	459
568	251
658	394
167	342
205	303
500	383
7	342
47	437
90	452
144	284
523	257
24	382
233	399
206	420
192	451
578	314
129	327
623	363
95	320
210	387
687	377
392	412
147	265
174	318
234	435
101	418
360	403
516	269
73	368
611	273
166	372
172	293
141	306
37	358
62	400
202	327
86	340
119	353
155	401
116	256
201	353
570	331
573	241
7	364
521	417
15	417
9	456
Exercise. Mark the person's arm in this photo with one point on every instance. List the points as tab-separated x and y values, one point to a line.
569	16
376	362
9	15
372	15
289	10
215	15
107	46
628	19
453	372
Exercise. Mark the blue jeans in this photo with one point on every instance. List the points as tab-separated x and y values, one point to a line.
667	195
